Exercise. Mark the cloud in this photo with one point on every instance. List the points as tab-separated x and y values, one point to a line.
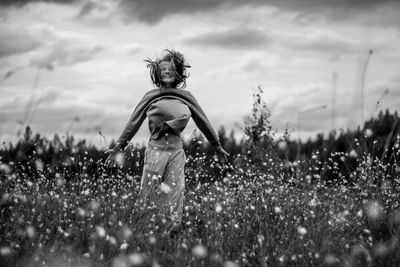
153	11
321	42
18	3
18	40
98	13
235	38
342	10
373	12
42	46
64	52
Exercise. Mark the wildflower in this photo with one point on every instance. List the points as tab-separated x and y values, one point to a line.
230	264
101	232
30	231
5	168
216	257
120	261
312	203
260	239
127	233
353	154
165	188
5	197
373	210
39	165
360	213
81	212
301	230
277	210
199	251
368	133
135	259
119	159
111	240
152	240
282	145
124	246
218	208
330	259
5	251
94	206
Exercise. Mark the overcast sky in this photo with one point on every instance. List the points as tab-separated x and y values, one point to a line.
77	66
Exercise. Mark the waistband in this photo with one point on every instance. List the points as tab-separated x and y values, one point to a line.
165	144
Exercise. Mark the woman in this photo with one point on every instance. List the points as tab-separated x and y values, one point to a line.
168	109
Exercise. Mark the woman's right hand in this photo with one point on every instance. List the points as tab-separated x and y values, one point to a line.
111	159
222	155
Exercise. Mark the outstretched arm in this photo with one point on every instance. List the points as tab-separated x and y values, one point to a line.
205	127
131	128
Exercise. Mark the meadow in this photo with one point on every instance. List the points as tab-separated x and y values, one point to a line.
60	206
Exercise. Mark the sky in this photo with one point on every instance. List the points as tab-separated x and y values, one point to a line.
78	66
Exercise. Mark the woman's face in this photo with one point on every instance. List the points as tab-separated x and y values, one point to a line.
167	73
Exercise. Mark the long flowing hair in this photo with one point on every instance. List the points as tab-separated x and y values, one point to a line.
179	66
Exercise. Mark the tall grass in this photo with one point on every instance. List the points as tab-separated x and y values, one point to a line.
264	211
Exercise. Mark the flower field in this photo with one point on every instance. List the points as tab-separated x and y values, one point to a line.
248	216
60	206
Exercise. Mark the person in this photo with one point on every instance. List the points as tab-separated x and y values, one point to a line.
168	108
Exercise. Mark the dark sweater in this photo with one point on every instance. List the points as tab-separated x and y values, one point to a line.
140	113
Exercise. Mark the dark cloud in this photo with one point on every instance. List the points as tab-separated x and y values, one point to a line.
16	41
18	3
377	12
235	38
96	12
152	11
88	8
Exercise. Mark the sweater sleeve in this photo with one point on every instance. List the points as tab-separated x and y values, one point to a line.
203	123
134	123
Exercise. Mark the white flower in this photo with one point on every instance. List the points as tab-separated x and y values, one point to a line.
277	210
165	188
301	230
218	208
4	251
124	246
373	210
135	259
101	232
119	159
353	154
199	251
230	264
30	231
